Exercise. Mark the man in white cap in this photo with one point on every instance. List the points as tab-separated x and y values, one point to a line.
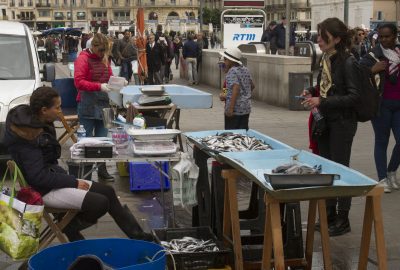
239	86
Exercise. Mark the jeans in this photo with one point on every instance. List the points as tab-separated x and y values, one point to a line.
387	120
154	77
176	60
191	64
237	122
95	125
335	144
126	70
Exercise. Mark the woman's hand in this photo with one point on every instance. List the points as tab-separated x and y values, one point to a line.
306	94
229	113
222	97
378	67
82	185
311	102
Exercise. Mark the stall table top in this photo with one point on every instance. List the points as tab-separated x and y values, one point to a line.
184	97
255	164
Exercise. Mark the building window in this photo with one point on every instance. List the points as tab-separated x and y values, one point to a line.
81	15
99	14
173	2
127	2
293	15
91	2
122	15
103	3
56	3
308	15
115	2
30	3
21	3
13	15
44	13
58	15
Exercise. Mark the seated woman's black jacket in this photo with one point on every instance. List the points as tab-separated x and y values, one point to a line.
344	93
36	151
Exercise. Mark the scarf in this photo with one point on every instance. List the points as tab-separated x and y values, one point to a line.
326	77
394	62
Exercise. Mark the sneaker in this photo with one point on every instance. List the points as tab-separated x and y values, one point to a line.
386	185
393	180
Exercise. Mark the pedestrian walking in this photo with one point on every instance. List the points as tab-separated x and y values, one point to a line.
239	85
268	37
384	60
177	47
91	75
155	58
50	49
335	120
126	53
280	37
190	53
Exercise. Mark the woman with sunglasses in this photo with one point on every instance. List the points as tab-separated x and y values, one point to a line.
91	75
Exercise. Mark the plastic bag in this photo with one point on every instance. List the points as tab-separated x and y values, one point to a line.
19	223
184	180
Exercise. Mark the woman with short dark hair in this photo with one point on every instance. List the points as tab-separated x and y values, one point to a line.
336	102
384	60
31	140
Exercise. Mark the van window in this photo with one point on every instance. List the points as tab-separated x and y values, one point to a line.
15	59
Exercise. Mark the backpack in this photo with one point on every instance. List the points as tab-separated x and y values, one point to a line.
370	97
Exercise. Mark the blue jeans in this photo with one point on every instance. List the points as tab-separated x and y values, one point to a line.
388	120
95	125
126	70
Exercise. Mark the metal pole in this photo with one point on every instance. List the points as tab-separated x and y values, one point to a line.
287	32
346	12
201	15
72	17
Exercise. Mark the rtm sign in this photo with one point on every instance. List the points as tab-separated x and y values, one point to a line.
242	29
247	37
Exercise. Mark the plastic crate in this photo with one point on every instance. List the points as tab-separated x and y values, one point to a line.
143	176
194	260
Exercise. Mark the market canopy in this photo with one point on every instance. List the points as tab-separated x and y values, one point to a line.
63	30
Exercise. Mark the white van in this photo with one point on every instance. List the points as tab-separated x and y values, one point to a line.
19	69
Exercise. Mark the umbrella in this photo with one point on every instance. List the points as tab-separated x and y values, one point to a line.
141	45
63	30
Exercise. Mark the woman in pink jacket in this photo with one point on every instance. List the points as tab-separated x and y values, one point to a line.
91	75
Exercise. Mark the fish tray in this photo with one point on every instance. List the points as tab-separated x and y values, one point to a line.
287	181
194	260
195	137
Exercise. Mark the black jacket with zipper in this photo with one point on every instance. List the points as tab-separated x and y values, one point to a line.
344	94
36	151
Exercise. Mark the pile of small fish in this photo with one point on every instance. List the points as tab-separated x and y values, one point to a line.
293	168
232	142
190	244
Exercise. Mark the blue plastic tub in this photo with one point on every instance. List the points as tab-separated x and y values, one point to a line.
124	254
67	91
143	176
72	56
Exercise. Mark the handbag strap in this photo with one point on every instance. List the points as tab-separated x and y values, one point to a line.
3	180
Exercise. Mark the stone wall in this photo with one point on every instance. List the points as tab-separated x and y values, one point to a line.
270	74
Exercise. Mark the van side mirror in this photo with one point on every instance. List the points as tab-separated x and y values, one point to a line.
49	72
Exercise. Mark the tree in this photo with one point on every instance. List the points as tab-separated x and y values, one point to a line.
211	16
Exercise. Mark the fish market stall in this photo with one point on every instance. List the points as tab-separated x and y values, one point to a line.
287	175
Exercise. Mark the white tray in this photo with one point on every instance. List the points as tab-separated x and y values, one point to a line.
154	148
152	134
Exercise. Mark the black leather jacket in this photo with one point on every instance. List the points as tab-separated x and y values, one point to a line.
344	93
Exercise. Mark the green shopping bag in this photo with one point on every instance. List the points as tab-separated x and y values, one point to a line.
19	222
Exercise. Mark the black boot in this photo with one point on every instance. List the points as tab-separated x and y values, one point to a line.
103	174
129	225
341	225
331	217
72	230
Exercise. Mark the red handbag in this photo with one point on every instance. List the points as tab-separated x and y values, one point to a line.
30	196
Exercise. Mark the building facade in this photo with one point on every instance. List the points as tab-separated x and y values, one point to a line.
365	12
108	15
300	12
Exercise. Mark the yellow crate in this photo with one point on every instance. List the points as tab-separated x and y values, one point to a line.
123	169
227	267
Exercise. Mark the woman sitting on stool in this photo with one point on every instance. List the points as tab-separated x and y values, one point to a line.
31	140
